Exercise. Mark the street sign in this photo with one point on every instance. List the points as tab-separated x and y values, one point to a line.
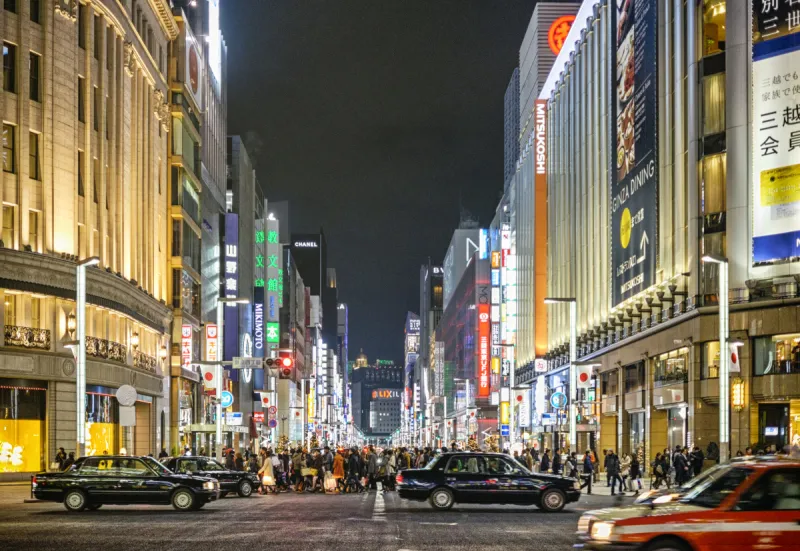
272	423
226	400
504	430
558	400
248	363
273	410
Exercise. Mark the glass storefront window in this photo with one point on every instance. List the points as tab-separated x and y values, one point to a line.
22	426
713	26
102	425
672	367
713	243
709	368
609	383
636	426
714	105
779	354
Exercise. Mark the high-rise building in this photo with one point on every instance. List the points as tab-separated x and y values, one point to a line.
511	126
85	134
376	394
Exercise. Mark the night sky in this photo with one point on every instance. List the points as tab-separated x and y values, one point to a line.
371	117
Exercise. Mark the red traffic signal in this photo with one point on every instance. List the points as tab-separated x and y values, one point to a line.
285	363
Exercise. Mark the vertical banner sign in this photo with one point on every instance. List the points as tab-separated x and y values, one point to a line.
776	130
634	183
438	386
212	342
484	356
258	322
186	345
231	271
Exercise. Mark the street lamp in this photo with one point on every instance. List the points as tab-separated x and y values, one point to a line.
573	357
218	365
724	366
78	347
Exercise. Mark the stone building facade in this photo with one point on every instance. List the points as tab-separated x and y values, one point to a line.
85	130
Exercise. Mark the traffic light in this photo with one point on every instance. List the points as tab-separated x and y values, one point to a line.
285	364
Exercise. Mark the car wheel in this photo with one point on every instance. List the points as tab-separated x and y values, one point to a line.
75	501
441	498
553	500
245	489
94	506
183	500
668	545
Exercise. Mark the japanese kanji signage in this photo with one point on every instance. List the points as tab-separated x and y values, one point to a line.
634	157
212	342
776	130
273	332
186	345
231	286
484	353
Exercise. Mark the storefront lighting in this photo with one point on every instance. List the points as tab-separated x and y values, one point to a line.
162	352
135	340
72	324
737	391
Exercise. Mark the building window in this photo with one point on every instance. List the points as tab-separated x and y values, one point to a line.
33	156
9	148
714	104
709	360
34	64
10	5
714	183
712	243
81	242
33	231
10	304
95	179
81	26
81	99
109	46
8	227
96	108
9	67
776	355
713	27
98	35
634	377
80	173
36	11
671	368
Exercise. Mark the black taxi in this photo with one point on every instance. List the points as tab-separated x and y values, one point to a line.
473	477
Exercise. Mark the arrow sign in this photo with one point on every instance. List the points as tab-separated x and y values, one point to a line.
642	248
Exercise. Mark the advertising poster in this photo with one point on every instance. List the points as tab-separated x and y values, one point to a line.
634	182
776	131
231	280
484	353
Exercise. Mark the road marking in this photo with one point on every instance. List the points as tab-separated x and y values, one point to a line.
441	523
379	509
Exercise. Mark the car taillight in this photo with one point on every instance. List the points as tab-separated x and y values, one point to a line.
399	478
33	480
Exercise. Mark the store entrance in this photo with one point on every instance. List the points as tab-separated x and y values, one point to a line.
773	425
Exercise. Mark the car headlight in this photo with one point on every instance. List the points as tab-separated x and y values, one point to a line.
583	524
210	485
602	531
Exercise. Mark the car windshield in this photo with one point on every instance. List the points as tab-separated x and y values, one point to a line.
156	466
713	489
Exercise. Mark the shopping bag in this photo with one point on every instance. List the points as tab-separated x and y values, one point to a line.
55	466
330	483
309	472
268	480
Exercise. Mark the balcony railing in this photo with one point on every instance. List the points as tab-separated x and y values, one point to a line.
664	379
108	350
27	337
144	361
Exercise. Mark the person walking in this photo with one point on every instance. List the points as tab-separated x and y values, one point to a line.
338	471
571	466
613	470
697	460
61	458
660	471
681	464
354	470
230	464
625	469
238	462
588	468
635	474
557	462
391	471
372	467
163	454
267	476
545	465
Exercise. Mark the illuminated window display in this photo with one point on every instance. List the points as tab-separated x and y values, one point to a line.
102	424
22	425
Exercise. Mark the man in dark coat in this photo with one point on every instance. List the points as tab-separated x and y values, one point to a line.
612	470
545	465
557	462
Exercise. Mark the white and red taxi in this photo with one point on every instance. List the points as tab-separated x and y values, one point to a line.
747	505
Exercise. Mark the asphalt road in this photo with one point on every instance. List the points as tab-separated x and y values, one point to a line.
289	522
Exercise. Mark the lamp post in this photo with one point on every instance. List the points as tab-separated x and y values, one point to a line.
724	366
573	357
218	365
77	324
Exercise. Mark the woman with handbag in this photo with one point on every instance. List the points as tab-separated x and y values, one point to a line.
267	475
